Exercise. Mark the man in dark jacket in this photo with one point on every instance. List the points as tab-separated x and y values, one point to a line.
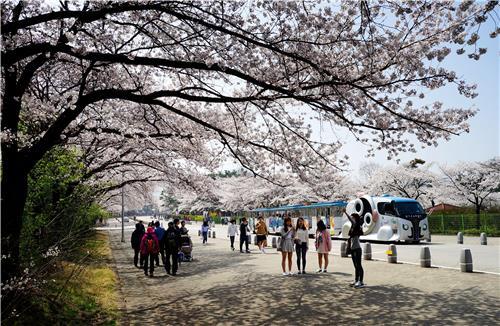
171	248
136	242
244	232
160	232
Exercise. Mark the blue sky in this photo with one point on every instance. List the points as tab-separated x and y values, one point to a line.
483	141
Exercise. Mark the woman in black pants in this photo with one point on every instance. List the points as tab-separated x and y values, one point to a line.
301	244
354	233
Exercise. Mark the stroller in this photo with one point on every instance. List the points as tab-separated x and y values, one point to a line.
186	253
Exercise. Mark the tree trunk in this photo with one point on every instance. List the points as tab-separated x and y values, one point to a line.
14	193
478	215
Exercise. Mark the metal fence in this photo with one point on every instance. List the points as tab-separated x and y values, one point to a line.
466	223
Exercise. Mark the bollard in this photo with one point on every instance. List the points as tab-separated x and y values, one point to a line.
343	249
275	242
367	252
466	261
483	239
460	238
199	233
213	234
425	257
392	254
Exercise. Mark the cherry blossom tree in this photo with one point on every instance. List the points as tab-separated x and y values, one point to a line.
404	181
473	182
158	90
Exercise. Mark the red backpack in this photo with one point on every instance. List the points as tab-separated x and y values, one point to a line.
150	244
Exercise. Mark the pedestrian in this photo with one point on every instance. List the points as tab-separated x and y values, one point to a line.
184	229
301	244
160	232
135	240
177	224
287	235
261	231
244	232
323	245
204	231
149	249
172	245
356	251
141	225
232	231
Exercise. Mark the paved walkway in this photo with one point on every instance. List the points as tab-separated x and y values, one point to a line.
222	287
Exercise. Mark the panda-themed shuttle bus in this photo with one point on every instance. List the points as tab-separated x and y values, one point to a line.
385	218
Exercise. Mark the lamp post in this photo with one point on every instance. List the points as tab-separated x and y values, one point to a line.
123	214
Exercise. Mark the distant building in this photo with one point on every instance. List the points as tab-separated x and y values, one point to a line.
442	208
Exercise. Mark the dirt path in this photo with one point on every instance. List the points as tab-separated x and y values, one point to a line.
228	288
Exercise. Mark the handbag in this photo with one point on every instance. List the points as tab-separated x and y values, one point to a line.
278	246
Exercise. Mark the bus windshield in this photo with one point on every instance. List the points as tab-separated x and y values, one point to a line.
409	208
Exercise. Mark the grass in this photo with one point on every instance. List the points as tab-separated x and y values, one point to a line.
92	288
82	291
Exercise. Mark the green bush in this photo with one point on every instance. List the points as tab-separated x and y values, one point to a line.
58	219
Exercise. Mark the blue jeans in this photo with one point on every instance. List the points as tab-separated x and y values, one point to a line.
205	236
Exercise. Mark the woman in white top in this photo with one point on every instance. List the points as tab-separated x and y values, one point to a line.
232	231
301	244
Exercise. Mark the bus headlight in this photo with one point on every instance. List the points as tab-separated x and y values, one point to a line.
405	227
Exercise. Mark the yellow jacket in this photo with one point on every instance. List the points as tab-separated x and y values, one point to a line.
261	228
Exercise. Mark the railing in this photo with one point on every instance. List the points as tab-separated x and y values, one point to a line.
466	223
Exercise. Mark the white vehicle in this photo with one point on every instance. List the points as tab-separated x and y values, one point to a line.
387	218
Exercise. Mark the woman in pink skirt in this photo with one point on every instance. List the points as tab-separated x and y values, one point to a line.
323	245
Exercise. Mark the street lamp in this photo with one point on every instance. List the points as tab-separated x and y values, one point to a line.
123	213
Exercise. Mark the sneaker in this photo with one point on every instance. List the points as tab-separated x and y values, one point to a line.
303	272
263	251
319	270
285	274
299	272
324	271
359	285
291	273
241	251
248	251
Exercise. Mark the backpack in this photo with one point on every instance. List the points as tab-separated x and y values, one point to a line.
150	244
171	239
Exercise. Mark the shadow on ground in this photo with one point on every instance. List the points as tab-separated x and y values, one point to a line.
244	296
